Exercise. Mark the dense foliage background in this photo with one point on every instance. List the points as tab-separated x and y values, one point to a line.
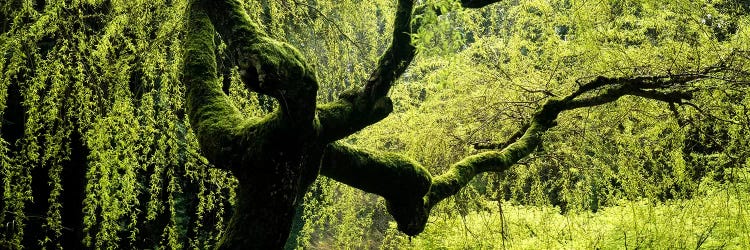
96	150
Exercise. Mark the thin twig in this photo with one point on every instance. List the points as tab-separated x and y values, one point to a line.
327	19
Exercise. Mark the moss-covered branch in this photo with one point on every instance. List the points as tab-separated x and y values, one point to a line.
346	115
266	66
651	87
400	180
401	52
212	115
396	58
354	166
360	108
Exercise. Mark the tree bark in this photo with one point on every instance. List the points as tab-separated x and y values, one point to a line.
276	157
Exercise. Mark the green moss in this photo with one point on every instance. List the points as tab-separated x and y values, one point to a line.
335	120
460	173
347	115
211	114
266	66
382	173
401	181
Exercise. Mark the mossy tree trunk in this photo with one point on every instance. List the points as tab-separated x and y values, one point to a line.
276	157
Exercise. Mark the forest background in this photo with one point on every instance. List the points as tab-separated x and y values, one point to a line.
96	150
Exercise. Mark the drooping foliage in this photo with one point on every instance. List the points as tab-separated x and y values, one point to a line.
97	151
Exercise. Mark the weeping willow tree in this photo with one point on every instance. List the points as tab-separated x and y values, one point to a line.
196	124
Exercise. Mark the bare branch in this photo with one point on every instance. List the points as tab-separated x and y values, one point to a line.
475	4
513	138
703	112
328	20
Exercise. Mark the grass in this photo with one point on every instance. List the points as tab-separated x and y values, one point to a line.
717	219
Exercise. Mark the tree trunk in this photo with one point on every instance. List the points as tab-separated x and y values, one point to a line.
268	192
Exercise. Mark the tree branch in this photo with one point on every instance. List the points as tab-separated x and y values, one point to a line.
358	109
401	181
475	4
266	66
211	114
461	173
396	58
399	55
346	116
356	168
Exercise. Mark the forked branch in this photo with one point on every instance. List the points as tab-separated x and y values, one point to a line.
660	88
266	66
411	212
358	109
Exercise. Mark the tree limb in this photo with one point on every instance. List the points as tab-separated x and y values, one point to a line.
400	180
266	66
224	135
411	215
211	114
358	109
396	58
475	4
401	52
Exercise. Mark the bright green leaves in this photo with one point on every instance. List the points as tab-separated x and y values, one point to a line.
109	71
111	177
43	144
441	27
488	90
